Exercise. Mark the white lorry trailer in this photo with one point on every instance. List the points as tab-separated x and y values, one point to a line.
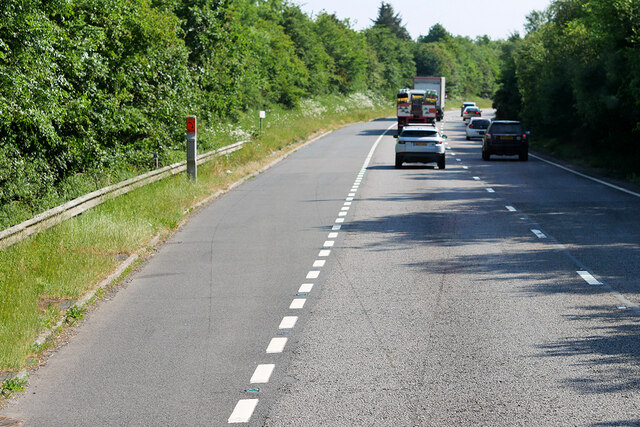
436	84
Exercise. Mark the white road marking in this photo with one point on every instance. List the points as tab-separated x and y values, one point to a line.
332	235
538	233
324	252
306	287
588	278
277	345
342	214
288	322
339	219
319	263
477	178
352	195
465	167
344	208
297	303
336	227
328	243
453	154
458	160
262	374
347	203
624	190
243	411
510	208
349	199
313	274
490	190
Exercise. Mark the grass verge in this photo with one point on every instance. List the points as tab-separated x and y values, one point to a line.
42	276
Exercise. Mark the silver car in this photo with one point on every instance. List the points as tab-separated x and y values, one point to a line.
477	127
424	144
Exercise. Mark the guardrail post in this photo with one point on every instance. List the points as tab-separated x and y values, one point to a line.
192	166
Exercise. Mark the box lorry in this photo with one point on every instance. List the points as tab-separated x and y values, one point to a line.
416	106
431	83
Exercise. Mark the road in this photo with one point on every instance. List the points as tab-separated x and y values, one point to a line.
337	290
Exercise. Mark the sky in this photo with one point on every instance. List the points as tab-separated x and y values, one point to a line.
495	18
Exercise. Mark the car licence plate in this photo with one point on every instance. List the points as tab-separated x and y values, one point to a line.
506	137
421	144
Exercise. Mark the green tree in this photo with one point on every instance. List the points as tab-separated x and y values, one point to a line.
387	18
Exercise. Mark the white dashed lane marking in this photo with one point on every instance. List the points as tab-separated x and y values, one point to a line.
288	322
243	411
324	252
297	303
306	287
339	220
328	243
510	208
313	274
319	263
332	235
477	178
490	190
262	374
587	277
538	233
277	345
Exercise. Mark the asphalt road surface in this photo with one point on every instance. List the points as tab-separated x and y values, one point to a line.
336	290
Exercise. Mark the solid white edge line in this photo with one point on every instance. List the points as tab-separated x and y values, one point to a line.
262	374
587	277
276	345
297	303
599	181
243	411
288	322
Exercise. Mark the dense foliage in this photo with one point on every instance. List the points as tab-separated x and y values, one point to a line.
93	88
575	77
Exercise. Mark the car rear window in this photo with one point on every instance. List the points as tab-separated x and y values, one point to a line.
507	128
471	110
419	133
481	124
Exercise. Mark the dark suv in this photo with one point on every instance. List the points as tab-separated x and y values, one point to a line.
505	138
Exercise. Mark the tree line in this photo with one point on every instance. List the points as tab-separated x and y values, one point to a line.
98	86
574	79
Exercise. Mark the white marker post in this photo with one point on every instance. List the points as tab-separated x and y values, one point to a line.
263	115
192	167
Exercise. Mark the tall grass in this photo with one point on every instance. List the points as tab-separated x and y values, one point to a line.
43	274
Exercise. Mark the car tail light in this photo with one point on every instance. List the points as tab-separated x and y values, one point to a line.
488	136
470	126
524	136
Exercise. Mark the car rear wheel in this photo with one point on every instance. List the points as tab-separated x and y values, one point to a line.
398	162
468	138
441	163
485	155
524	156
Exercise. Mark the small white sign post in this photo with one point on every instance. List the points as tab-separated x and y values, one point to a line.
263	115
192	167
